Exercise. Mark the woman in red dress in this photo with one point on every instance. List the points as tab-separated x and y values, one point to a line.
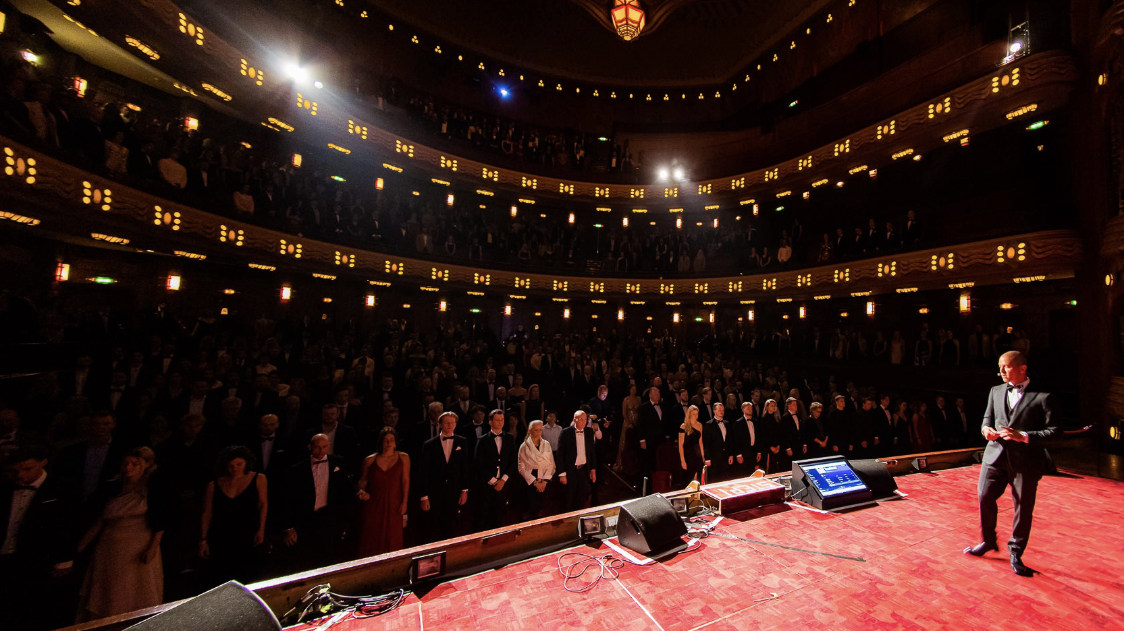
384	485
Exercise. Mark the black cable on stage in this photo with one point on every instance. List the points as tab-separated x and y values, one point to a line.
320	601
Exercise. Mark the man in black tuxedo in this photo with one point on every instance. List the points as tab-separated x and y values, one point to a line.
443	479
343	440
317	494
942	424
577	461
38	536
882	419
494	463
747	437
475	429
89	464
268	446
721	445
649	430
1017	423
798	432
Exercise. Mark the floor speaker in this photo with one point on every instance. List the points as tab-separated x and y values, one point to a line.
228	607
649	524
876	476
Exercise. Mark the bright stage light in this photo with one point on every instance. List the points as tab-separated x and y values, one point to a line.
1016	46
679	175
663	174
296	73
318	84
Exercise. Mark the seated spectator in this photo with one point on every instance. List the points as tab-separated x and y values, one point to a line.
172	172
784	253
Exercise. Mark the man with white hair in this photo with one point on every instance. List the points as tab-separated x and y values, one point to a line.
577	461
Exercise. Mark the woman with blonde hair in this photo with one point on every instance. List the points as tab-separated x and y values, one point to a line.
691	454
536	465
126	571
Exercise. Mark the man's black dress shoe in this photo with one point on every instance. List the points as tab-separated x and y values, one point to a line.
981	548
1019	568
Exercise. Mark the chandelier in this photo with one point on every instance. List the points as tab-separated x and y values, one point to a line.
628	18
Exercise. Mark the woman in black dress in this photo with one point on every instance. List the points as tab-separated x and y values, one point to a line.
235	505
691	455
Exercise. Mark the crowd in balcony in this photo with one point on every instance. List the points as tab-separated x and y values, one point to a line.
182	451
262	186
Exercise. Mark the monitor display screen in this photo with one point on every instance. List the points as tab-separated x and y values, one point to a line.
834	477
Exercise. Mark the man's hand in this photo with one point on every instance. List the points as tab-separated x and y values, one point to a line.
291	537
463	498
730	460
562	479
259	537
1015	435
593	475
775	450
643	444
705	463
788	452
864	444
805	449
363	495
741	459
875	441
990	434
758	456
499	484
425	504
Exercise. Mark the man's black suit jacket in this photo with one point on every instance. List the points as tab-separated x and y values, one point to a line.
742	443
649	424
568	450
491	463
1033	415
442	481
48	534
719	449
300	493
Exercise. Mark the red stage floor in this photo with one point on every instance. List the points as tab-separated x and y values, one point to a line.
914	575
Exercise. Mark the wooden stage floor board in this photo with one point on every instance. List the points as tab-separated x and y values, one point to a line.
912	575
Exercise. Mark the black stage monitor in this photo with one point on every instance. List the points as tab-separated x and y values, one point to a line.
828	483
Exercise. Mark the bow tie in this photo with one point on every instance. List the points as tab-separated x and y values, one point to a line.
319	462
579	431
447	437
1011	387
495	435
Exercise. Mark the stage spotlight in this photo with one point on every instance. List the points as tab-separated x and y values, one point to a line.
296	73
679	174
663	174
1016	46
318	84
504	92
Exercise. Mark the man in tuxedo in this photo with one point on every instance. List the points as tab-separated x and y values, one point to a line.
343	440
959	418
443	479
882	420
38	541
1018	422
259	400
912	230
89	464
942	424
268	446
487	391
747	450
721	446
649	430
494	464
798	434
475	429
317	493
577	461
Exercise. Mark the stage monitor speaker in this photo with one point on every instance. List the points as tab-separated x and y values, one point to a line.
877	478
828	483
228	607
649	524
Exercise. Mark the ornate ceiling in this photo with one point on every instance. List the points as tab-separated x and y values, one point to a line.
685	42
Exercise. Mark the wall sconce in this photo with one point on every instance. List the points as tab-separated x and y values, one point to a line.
286	293
570	219
449	200
514	210
620	315
173	283
749	315
965	303
870	308
675	318
442	306
62	272
803	312
566	313
190	123
370	300
507	310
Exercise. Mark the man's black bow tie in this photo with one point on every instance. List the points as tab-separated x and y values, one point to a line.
579	431
1011	387
447	437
